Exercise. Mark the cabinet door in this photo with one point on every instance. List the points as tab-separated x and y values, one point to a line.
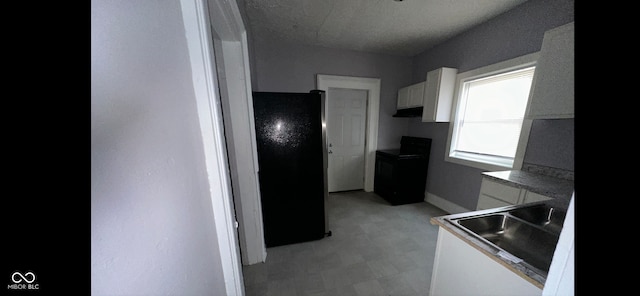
438	95
553	81
488	202
403	98
500	191
494	194
460	269
416	95
533	197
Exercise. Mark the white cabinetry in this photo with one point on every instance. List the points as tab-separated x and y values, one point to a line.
416	95
533	197
403	98
438	97
460	269
411	96
552	94
494	194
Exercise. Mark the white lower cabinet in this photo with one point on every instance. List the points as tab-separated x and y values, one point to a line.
460	269
494	195
533	197
489	202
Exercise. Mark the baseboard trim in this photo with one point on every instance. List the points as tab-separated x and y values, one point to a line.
445	205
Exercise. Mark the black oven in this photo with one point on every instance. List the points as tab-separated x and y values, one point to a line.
401	174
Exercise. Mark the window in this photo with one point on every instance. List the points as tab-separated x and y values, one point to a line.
489	129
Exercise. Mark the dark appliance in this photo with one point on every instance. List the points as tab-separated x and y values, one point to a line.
401	174
292	159
409	112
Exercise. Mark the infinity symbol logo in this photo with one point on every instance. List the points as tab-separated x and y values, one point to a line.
23	277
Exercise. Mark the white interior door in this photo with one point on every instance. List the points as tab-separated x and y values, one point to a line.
346	129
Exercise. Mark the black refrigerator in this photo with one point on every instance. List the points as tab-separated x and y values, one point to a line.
292	158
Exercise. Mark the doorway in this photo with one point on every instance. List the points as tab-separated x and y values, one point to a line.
372	88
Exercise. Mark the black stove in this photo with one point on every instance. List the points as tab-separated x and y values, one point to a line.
401	174
397	153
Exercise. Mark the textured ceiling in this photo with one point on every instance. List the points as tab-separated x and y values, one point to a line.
404	28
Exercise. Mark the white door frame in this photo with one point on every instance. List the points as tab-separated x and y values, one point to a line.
372	86
231	50
199	34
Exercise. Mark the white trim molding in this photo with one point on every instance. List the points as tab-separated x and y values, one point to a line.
372	86
200	45
520	62
234	78
237	103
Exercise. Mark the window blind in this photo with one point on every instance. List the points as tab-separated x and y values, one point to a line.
493	112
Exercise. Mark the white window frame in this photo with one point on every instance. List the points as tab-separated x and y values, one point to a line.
521	62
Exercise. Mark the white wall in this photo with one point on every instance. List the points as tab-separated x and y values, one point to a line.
288	67
152	227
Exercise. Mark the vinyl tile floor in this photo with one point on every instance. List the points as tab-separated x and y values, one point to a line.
375	249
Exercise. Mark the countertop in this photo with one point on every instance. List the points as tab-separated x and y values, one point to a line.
535	179
521	270
557	188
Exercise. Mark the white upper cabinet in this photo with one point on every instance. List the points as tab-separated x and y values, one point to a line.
403	98
435	95
411	96
439	91
416	95
438	97
552	93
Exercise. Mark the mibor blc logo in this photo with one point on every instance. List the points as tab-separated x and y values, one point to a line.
23	281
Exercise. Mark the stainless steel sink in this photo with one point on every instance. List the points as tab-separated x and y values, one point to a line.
543	215
527	234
